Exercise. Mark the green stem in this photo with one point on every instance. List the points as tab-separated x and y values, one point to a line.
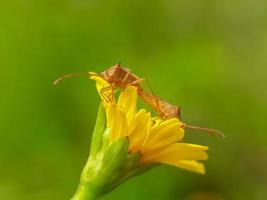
91	183
84	193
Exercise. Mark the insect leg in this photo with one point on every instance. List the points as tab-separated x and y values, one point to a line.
137	81
104	96
149	86
110	96
103	93
125	77
212	132
155	97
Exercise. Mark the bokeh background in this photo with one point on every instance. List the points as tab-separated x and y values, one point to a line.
207	56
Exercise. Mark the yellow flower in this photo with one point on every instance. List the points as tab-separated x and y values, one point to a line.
157	141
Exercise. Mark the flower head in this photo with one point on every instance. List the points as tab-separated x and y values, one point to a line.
128	141
155	140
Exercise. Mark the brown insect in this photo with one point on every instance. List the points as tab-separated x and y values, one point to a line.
121	77
166	111
116	76
163	108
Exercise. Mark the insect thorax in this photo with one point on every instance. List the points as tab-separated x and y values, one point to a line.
119	76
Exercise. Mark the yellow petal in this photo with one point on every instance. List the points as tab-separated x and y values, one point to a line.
139	130
116	121
176	152
100	82
164	133
190	165
197	146
127	102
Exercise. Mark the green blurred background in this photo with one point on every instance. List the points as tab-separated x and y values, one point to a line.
208	56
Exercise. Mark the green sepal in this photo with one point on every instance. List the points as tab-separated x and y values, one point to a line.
97	137
100	168
122	174
115	155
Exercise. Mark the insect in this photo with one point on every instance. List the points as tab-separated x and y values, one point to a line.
121	77
166	111
163	108
116	76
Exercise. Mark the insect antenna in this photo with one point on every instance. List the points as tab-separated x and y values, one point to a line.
56	82
212	132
